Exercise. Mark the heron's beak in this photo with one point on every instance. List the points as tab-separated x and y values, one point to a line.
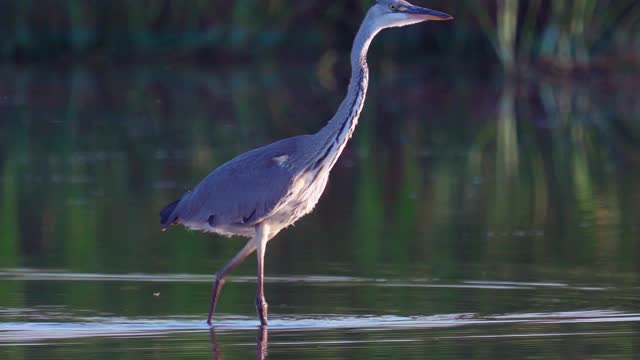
427	14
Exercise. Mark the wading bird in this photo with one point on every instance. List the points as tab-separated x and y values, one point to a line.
263	191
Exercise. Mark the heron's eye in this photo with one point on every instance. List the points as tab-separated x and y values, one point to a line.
393	7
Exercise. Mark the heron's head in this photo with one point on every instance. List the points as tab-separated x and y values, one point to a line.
395	13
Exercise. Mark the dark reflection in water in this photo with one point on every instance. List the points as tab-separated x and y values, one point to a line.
456	196
262	344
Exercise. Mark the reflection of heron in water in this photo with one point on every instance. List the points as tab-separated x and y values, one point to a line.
261	192
262	342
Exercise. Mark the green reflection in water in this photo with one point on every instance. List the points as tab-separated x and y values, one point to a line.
369	211
97	178
9	256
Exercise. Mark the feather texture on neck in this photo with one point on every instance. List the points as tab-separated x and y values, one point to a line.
334	136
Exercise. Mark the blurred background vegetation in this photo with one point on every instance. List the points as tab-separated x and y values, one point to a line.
562	35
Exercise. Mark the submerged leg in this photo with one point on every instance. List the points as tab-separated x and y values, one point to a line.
219	281
262	236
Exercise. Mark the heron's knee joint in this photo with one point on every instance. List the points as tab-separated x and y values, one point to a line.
261	302
219	280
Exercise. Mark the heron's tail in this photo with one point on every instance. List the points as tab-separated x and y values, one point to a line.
166	214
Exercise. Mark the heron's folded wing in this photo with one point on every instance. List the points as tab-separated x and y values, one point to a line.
244	190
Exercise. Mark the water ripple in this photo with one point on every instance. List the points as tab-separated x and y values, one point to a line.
38	275
96	326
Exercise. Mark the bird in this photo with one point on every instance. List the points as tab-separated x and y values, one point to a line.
259	193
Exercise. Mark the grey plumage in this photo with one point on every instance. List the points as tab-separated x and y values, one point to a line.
260	192
243	191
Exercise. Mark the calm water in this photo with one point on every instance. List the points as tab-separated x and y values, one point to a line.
469	217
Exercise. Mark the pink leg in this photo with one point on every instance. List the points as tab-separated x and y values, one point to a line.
262	236
217	284
262	343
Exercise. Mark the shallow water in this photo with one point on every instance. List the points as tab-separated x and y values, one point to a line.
504	228
602	323
60	331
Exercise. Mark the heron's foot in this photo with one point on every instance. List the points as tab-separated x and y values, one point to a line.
215	294
262	308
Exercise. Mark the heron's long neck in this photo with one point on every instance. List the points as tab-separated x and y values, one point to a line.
334	136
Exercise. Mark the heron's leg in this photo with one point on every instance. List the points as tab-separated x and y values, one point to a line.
262	344
262	236
219	281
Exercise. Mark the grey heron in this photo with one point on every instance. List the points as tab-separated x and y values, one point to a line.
263	191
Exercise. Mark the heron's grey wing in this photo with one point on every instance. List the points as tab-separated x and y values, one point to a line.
245	189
